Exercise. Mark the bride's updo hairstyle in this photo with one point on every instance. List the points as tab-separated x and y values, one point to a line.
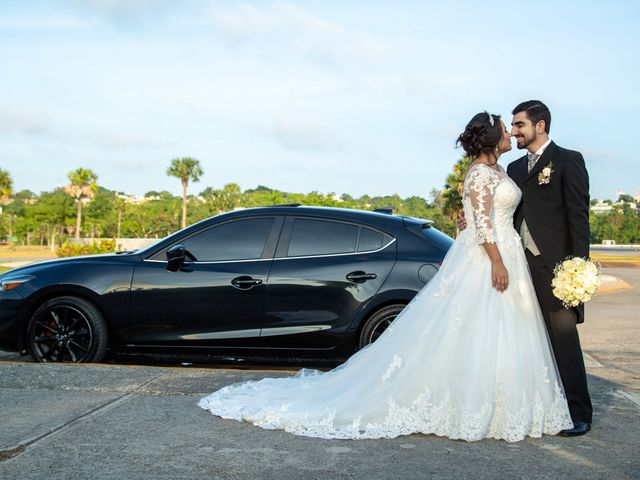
482	134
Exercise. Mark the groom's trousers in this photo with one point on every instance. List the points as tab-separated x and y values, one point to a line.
563	333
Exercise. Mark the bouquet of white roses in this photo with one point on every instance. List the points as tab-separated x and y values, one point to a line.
575	280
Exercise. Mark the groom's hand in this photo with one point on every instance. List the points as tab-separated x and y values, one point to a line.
461	222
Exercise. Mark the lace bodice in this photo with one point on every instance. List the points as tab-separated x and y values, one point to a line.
489	200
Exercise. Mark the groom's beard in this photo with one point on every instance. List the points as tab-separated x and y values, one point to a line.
526	141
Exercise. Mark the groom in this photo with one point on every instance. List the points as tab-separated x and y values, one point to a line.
553	221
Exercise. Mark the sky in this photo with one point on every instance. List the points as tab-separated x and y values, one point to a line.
342	96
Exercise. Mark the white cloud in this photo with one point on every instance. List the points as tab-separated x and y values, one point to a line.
23	22
24	121
125	140
134	14
118	8
286	28
300	135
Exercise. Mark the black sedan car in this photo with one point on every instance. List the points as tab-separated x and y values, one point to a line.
284	280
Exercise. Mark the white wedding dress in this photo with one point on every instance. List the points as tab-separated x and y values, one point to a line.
462	360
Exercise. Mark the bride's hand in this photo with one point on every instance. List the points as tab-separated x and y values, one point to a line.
461	222
499	276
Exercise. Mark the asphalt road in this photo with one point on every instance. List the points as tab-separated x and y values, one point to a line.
142	422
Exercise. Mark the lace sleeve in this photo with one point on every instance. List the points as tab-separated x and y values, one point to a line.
480	187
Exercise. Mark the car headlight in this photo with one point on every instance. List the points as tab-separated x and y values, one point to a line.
10	283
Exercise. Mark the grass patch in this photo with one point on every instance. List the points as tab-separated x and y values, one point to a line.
19	251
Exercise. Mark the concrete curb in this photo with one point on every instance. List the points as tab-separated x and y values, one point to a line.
617	264
611	284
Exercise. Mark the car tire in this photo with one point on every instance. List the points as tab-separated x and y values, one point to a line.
67	329
378	323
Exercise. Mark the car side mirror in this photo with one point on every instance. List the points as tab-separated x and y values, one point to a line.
175	257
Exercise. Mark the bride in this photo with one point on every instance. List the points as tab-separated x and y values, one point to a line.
468	358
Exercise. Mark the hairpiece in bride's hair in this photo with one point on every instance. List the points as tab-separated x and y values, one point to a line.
491	120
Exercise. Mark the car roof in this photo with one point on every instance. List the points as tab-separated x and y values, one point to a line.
313	211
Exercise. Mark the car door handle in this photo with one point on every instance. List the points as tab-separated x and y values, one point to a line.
245	282
360	277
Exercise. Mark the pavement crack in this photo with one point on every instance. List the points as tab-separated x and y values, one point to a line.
19	449
10	453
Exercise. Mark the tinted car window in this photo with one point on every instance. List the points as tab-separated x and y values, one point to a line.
317	237
371	240
240	240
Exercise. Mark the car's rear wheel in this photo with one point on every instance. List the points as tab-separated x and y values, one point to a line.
67	329
377	323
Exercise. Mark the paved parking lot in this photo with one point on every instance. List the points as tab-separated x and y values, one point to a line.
142	422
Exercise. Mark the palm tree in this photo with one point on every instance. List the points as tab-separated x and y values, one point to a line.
454	187
83	188
185	168
6	186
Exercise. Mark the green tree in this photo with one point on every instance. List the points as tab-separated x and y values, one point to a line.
621	225
454	187
82	188
224	200
120	204
17	219
186	169
53	213
99	215
154	218
6	186
451	197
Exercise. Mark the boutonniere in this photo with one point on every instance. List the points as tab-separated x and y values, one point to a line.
544	177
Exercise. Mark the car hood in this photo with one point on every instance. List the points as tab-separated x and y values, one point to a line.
125	258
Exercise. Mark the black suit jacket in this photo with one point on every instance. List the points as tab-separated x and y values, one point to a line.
557	213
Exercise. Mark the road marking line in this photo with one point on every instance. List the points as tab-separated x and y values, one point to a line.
591	362
633	398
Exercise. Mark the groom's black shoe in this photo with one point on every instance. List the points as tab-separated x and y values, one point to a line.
579	428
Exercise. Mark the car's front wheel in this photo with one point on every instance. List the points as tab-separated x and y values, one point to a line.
67	329
377	323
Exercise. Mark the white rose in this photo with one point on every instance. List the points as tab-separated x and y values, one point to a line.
564	276
592	269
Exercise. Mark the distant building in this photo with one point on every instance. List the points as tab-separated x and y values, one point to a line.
607	206
136	199
601	207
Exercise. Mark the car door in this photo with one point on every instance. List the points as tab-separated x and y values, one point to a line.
215	299
324	271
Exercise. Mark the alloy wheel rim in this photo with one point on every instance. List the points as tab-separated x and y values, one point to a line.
381	327
62	334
